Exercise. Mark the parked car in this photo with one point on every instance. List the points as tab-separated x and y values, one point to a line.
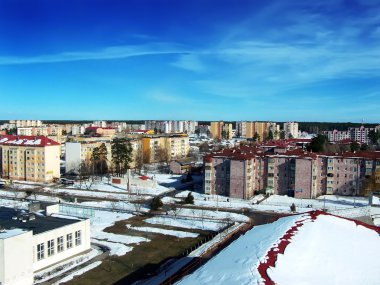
65	181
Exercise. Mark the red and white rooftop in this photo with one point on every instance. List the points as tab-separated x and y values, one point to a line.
35	141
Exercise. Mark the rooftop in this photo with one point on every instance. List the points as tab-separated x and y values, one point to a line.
39	141
39	225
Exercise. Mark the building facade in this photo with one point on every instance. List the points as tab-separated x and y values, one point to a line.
29	243
291	130
30	158
239	172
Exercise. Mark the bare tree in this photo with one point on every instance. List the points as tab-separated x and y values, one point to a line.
139	160
86	174
175	210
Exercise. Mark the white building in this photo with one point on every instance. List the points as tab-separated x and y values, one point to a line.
360	134
291	129
29	243
336	136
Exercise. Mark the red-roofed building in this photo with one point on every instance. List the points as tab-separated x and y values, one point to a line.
29	158
239	172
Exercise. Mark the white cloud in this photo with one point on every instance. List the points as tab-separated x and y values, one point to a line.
113	52
190	62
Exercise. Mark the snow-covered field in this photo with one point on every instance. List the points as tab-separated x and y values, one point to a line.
78	272
187	223
119	244
180	234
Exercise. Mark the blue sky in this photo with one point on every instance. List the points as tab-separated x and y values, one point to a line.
203	60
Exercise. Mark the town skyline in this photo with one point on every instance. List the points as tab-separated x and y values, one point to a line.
209	60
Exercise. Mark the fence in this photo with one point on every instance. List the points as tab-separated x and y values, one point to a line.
353	212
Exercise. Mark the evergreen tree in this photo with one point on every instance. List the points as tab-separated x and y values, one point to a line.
270	135
318	143
121	155
354	146
256	137
156	204
374	136
189	199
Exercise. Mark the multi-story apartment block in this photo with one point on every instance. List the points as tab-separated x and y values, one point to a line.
221	130
239	172
26	123
249	129
50	130
291	130
82	150
336	136
29	158
360	134
76	152
102	124
157	147
355	134
172	126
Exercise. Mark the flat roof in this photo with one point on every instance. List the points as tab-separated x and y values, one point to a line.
39	225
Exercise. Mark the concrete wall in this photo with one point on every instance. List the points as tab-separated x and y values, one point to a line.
16	259
52	162
72	155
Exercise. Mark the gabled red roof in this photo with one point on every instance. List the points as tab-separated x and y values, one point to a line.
31	141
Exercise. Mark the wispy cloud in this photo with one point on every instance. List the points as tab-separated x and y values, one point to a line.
113	52
190	62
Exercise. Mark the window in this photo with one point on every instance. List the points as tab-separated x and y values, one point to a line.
40	251
60	246
78	239
69	241
50	245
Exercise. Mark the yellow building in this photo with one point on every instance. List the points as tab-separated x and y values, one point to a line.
165	147
29	158
216	130
227	131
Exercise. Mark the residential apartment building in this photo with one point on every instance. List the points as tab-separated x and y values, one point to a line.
171	126
247	129
50	130
291	130
220	130
355	134
82	150
29	158
239	172
29	243
26	123
76	152
360	134
337	136
168	147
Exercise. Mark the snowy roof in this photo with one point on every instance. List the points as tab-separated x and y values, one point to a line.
10	233
311	248
40	141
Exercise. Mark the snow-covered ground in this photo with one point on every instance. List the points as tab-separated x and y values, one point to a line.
64	266
187	223
323	250
78	272
119	244
180	234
